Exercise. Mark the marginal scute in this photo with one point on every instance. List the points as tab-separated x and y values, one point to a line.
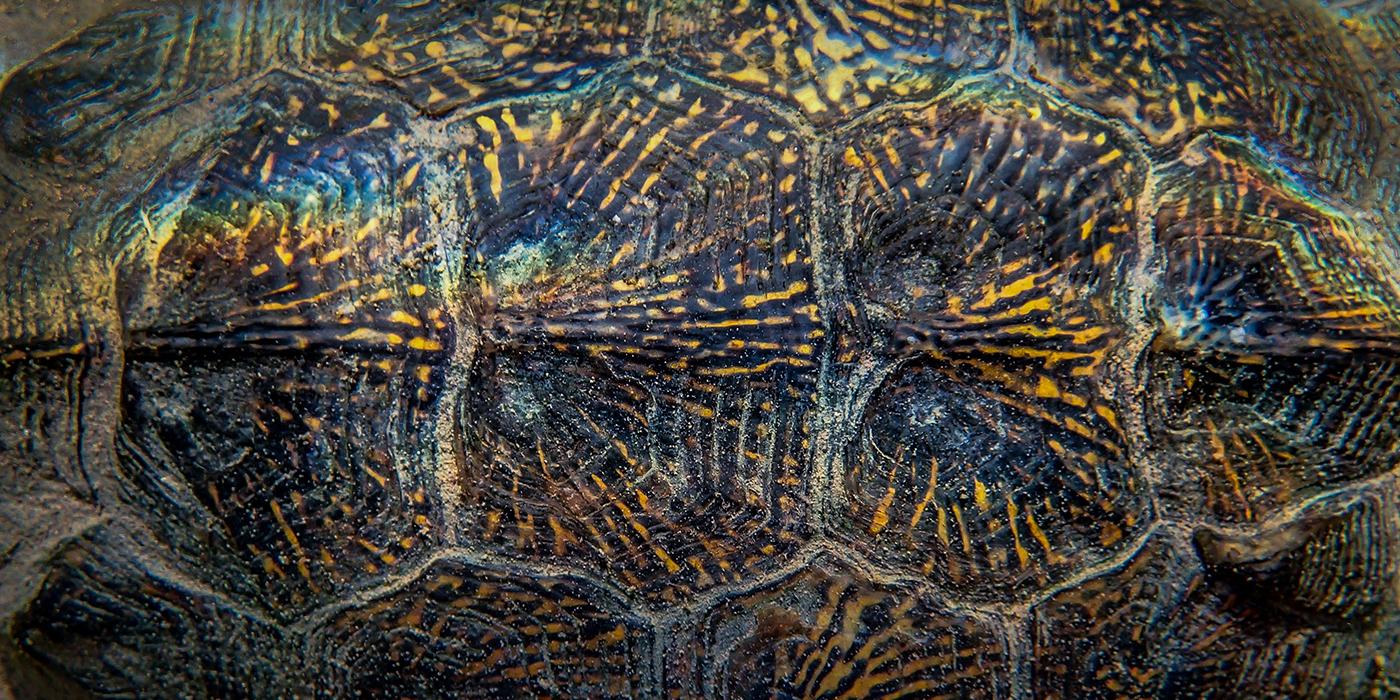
1163	624
40	426
1335	560
45	484
1275	366
442	55
123	629
287	354
475	629
991	233
68	104
833	59
640	399
314	473
827	631
1262	68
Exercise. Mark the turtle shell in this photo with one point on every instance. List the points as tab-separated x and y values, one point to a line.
805	348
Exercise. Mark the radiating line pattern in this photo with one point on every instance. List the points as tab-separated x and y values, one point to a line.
641	276
989	231
772	348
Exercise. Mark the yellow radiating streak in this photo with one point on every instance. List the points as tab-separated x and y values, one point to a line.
793	289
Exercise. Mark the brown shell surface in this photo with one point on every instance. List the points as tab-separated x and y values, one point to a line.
663	348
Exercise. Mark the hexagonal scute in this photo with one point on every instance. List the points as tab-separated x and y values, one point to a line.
828	631
640	399
473	629
123	629
832	59
1275	370
1273	69
287	342
992	236
443	55
1300	608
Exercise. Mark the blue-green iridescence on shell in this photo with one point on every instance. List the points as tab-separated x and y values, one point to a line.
803	348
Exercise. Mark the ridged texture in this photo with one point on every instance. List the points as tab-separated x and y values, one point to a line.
834	60
650	334
1272	613
605	348
468	628
1276	371
988	231
828	632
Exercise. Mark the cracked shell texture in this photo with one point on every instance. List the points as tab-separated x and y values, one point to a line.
644	348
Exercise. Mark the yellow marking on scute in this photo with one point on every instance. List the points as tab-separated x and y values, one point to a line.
410	177
1110	534
369	227
793	289
492	164
292	539
556	126
358	334
1022	556
761	367
489	125
1088	226
979	495
378	478
1104	255
1220	455
435	49
552	66
727	323
623	251
881	517
333	255
750	74
928	493
1050	554
1109	157
522	134
993	294
807	95
962	529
